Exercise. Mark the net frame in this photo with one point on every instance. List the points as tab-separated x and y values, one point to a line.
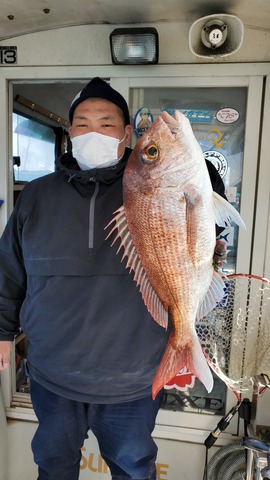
235	335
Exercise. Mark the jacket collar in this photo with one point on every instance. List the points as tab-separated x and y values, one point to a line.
68	164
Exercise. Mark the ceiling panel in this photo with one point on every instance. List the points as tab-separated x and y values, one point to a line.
23	16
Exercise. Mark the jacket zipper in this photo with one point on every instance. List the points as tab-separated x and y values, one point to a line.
92	218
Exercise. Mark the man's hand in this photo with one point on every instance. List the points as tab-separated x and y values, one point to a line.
220	255
5	354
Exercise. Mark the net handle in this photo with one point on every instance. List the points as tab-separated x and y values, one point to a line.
248	275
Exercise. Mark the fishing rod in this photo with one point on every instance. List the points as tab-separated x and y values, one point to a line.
221	426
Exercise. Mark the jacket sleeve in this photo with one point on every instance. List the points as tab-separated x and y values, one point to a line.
12	278
218	187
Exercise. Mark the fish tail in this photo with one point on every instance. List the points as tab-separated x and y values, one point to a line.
174	359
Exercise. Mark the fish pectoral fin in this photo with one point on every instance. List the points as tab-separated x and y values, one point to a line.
150	298
225	212
192	197
174	359
213	296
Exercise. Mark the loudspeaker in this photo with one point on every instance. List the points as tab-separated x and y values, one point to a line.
215	36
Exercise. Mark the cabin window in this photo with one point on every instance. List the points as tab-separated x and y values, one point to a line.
33	148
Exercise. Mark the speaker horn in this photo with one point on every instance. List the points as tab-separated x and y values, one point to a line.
215	36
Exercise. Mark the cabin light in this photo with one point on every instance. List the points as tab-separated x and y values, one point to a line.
134	46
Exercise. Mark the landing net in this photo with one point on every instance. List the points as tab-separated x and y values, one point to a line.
235	336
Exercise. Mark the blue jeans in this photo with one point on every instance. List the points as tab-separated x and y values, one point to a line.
123	432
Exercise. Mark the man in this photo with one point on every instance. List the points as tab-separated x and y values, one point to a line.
93	347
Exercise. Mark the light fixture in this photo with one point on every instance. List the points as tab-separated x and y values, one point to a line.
134	46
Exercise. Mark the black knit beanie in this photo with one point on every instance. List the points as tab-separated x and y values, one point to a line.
100	89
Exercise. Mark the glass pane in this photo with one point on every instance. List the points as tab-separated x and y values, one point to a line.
22	377
196	399
33	157
218	118
33	148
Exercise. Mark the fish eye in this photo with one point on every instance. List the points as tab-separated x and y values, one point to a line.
150	153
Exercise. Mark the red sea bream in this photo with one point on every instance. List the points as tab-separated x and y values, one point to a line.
167	229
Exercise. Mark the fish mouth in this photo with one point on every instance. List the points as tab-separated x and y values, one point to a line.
172	122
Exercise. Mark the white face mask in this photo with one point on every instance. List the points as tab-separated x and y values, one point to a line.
94	150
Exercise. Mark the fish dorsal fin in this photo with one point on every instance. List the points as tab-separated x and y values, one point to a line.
150	298
213	296
225	212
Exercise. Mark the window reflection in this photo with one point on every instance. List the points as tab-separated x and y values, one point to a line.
33	148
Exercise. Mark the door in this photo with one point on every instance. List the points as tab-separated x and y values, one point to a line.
220	116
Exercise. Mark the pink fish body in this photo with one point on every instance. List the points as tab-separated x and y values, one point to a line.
167	229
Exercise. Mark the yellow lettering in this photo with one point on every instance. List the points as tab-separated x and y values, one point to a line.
83	463
100	461
214	136
105	466
90	463
102	467
162	469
